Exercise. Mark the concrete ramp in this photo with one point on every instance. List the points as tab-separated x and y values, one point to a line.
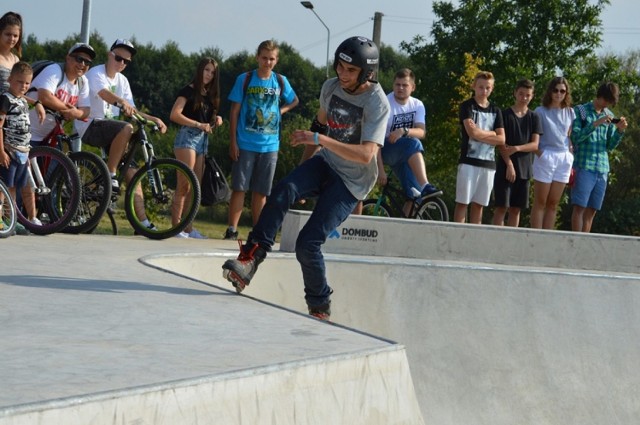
487	344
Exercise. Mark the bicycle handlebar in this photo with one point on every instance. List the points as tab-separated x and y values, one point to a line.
144	122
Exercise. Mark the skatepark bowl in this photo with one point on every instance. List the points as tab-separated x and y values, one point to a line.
450	324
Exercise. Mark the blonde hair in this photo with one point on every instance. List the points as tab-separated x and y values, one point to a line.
483	75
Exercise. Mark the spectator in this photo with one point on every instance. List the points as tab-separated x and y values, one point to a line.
513	168
553	159
14	133
595	133
481	130
255	133
110	95
195	110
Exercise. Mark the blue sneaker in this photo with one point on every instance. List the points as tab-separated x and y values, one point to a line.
430	190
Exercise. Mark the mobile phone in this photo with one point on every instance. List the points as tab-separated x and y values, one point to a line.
615	120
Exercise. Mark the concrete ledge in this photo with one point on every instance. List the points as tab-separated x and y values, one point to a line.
361	388
390	237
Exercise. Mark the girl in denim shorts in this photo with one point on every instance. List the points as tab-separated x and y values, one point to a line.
195	110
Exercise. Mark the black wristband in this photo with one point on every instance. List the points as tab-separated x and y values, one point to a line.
318	127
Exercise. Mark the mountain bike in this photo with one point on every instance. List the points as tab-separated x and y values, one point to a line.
150	192
56	186
95	180
391	201
7	212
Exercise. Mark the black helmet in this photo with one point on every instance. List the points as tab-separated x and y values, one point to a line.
361	52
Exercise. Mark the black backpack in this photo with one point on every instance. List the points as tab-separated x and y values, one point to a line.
214	187
39	65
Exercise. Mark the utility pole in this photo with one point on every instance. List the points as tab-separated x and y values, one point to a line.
86	20
377	27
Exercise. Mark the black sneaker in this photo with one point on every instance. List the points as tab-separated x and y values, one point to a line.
230	235
322	312
241	270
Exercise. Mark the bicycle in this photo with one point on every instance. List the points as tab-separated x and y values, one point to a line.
56	186
155	184
95	180
391	202
7	212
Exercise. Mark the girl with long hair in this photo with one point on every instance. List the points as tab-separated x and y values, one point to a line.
195	110
554	158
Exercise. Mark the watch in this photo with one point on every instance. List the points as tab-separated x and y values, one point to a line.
405	133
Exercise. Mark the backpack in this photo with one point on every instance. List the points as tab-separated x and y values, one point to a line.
214	187
39	65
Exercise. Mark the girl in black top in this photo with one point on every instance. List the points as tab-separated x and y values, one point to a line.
195	110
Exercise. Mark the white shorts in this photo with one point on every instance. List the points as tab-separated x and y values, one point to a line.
474	184
552	166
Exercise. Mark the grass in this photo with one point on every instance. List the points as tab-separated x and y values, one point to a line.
210	221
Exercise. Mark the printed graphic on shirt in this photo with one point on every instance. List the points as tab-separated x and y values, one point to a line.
16	124
403	120
344	121
477	149
261	112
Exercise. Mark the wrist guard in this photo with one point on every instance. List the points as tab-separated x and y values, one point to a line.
317	127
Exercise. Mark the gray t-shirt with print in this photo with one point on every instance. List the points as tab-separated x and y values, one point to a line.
354	119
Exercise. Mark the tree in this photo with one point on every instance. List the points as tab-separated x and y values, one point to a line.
510	38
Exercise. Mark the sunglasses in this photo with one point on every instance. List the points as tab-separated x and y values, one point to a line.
84	61
563	91
119	58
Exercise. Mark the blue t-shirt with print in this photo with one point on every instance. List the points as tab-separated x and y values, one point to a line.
258	128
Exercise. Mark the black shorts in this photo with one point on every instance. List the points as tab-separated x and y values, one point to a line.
101	133
507	194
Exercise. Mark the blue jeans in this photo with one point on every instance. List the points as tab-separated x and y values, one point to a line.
314	178
396	155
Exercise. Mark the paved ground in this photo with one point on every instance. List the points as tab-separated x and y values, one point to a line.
80	315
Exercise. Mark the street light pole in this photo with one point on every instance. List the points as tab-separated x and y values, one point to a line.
309	5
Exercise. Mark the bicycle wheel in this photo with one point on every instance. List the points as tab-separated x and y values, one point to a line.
157	185
371	207
434	209
95	196
8	210
56	202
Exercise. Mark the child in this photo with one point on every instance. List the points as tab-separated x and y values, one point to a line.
15	135
594	134
513	169
481	130
254	127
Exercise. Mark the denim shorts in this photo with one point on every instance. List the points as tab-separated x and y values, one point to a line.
589	189
254	171
15	175
192	138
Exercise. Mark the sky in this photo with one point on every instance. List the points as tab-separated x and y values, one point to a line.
240	25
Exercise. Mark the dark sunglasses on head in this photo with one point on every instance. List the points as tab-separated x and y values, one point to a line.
119	58
84	61
563	91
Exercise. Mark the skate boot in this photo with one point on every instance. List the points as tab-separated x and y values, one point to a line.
241	270
321	312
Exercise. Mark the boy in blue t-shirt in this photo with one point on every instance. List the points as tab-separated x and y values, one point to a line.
254	122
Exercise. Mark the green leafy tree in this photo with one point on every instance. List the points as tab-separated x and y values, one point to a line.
510	38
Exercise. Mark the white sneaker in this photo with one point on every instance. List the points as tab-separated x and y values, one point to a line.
182	235
196	235
36	221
